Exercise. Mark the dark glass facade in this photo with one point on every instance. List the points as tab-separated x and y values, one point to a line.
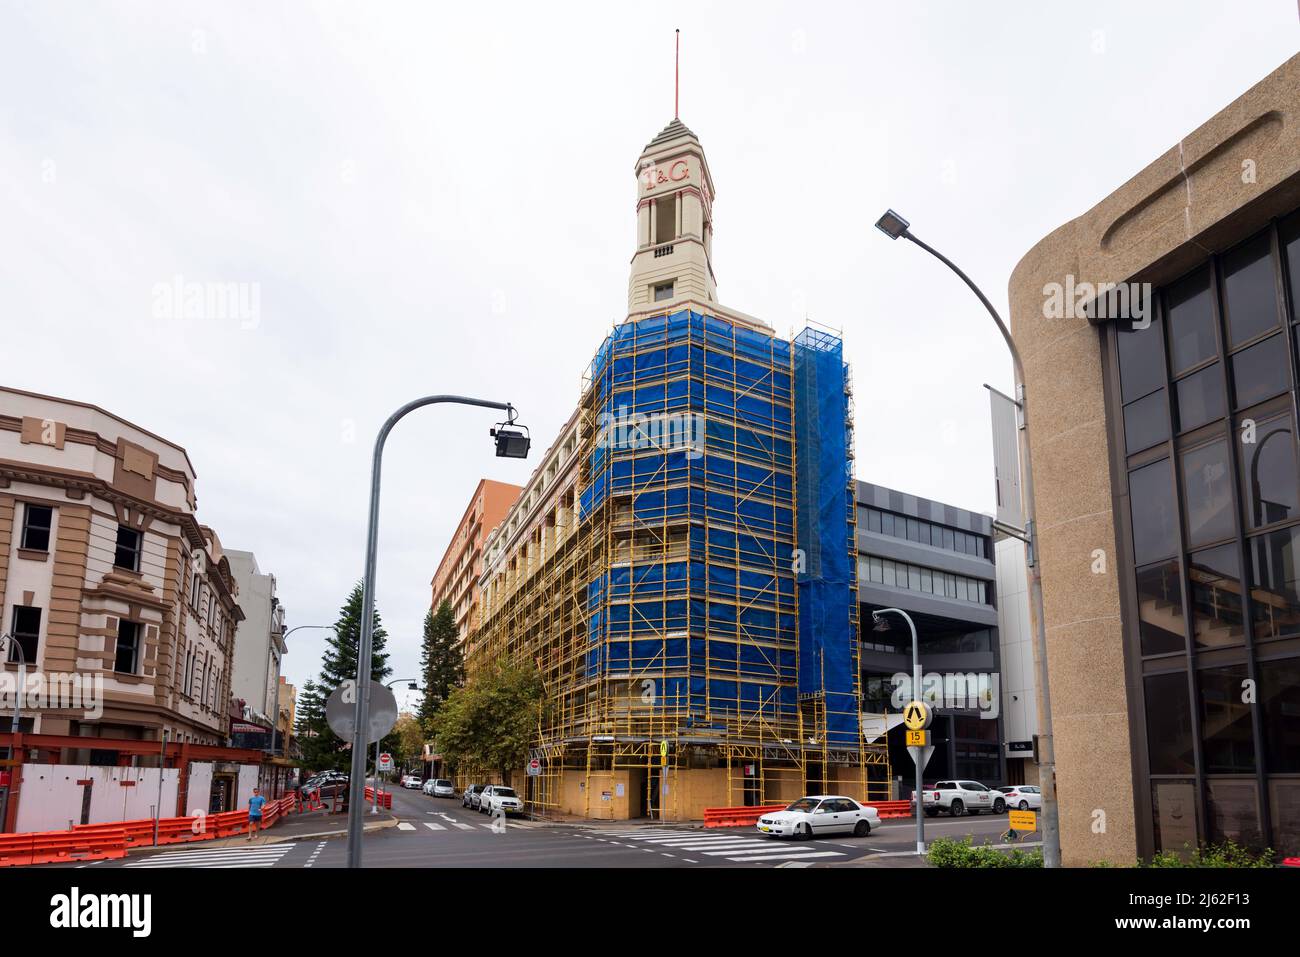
1203	413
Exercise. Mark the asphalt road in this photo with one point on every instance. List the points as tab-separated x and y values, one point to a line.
438	832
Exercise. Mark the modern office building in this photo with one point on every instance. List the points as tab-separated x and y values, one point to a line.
936	563
1163	435
456	580
681	566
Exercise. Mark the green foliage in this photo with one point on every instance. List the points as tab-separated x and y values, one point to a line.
490	722
442	666
946	852
409	736
1226	854
325	749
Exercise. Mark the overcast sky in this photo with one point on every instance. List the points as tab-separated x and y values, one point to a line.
429	198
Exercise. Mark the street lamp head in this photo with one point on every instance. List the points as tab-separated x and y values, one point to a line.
892	225
512	443
882	623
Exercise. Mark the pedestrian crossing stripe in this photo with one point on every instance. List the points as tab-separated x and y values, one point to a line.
262	855
737	848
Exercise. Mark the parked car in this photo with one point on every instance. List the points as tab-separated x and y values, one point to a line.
1023	797
820	814
470	796
318	781
439	787
956	798
412	781
498	797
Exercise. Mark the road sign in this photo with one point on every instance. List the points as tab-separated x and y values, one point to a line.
385	762
921	756
917	715
918	739
534	767
1022	820
340	711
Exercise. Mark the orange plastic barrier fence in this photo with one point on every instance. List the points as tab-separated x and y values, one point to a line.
15	849
94	842
737	816
892	808
385	797
106	841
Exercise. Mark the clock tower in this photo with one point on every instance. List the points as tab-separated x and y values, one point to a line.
674	225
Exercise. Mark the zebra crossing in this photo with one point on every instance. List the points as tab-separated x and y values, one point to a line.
713	847
261	855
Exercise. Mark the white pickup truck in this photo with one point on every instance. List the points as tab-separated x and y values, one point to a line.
961	797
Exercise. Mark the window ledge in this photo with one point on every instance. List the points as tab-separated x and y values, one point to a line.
34	554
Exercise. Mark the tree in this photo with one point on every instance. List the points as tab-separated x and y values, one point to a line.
490	722
409	736
339	664
442	667
340	661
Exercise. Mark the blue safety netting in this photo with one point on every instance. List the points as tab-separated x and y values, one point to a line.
828	658
723	616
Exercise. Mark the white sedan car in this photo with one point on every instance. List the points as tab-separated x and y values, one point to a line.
412	781
1024	797
820	814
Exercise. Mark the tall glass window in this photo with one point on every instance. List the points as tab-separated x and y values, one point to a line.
1204	415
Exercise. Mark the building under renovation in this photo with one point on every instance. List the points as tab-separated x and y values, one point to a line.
681	567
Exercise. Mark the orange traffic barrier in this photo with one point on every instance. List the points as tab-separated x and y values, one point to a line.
737	816
93	842
385	797
891	808
15	849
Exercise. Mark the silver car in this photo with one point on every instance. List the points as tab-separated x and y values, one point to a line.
439	787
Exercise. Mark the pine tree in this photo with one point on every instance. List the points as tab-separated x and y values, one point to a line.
310	710
442	666
339	664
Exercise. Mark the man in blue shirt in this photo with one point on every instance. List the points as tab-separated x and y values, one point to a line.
255	811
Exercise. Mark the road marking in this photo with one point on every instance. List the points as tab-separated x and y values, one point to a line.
795	864
689	861
314	854
790	855
264	855
405	827
435	827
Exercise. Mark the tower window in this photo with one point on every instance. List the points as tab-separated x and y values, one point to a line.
663	291
666	219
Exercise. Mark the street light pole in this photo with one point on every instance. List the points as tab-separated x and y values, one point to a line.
510	443
275	720
916	695
375	806
894	226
